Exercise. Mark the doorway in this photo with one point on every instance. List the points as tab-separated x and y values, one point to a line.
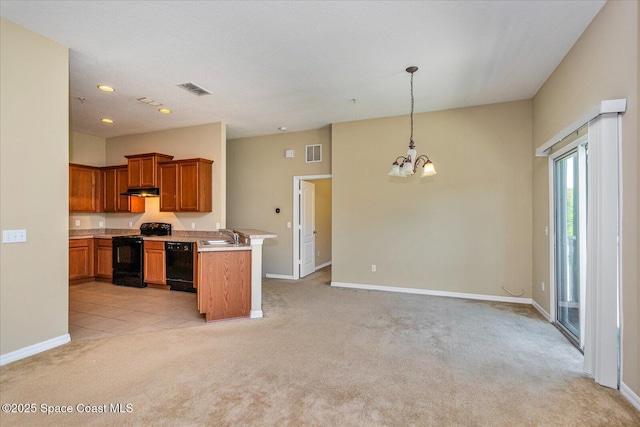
312	224
570	225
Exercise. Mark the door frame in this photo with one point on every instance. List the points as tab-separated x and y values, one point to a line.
553	295
296	218
552	222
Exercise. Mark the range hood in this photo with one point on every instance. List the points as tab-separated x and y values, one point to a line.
142	192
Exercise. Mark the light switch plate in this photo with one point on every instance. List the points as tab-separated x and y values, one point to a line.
14	236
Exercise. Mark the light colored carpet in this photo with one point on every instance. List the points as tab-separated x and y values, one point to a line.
328	357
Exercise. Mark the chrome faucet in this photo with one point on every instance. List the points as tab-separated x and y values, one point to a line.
233	235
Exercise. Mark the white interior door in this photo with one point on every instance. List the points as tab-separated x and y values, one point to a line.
307	228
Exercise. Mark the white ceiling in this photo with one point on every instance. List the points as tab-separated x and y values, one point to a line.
297	64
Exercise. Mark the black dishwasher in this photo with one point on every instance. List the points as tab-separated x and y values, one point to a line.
179	265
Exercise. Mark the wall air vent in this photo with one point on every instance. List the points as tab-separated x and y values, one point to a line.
194	89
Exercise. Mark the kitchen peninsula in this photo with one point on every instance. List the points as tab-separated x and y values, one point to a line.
228	278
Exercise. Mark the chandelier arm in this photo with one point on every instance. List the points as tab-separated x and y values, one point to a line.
404	159
424	159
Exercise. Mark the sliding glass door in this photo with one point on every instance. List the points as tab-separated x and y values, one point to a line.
570	241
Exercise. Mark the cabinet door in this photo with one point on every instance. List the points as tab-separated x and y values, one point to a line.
224	288
83	189
126	203
147	172
188	187
109	190
104	260
80	259
154	263
134	167
168	176
142	172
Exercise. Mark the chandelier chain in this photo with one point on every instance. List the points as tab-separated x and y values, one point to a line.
411	138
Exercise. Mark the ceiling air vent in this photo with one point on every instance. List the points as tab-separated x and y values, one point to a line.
194	88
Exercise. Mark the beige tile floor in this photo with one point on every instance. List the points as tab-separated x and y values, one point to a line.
100	309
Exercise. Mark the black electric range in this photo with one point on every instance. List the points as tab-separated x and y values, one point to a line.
128	254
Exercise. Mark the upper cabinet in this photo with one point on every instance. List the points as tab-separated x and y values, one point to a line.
143	169
84	188
115	180
186	185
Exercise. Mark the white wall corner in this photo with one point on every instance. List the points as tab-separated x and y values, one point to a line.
34	349
541	310
628	394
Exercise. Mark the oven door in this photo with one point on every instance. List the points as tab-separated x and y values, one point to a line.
127	262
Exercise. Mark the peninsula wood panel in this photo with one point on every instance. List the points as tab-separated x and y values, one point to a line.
224	285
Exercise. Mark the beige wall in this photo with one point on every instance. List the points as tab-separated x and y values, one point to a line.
323	220
603	64
205	141
87	149
260	179
33	187
91	151
467	229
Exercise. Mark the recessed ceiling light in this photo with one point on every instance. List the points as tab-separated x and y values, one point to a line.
106	88
282	128
165	111
105	120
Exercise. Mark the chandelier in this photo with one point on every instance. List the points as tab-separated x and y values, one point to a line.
405	166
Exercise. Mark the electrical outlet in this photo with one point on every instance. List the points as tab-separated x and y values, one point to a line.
77	223
130	224
546	231
100	224
318	253
217	226
14	236
542	286
193	225
373	268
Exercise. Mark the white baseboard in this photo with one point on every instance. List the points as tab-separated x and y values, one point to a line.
318	267
34	349
541	310
279	276
432	293
633	398
255	314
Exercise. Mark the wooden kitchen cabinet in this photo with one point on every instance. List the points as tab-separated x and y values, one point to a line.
142	169
224	284
154	263
81	260
103	259
168	177
115	180
84	188
186	185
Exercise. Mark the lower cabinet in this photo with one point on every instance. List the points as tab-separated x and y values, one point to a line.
81	257
154	264
224	284
104	259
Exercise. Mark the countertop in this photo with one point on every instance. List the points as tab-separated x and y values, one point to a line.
180	236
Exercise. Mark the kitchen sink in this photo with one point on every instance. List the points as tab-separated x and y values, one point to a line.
216	242
222	238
